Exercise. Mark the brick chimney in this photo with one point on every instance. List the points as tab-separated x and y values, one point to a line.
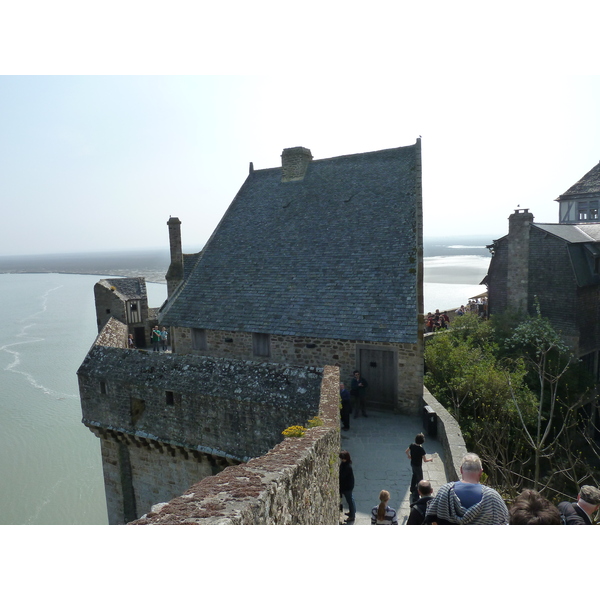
294	162
174	275
517	288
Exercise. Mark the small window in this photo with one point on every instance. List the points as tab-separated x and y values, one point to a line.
582	209
170	398
108	311
199	339
103	387
593	210
261	344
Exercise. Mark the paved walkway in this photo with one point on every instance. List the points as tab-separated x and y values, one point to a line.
377	446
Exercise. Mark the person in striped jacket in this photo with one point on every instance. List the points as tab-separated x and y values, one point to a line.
467	502
382	514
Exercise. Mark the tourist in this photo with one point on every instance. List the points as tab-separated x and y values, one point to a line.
467	502
429	323
580	512
418	509
460	311
347	485
531	508
156	338
345	408
382	514
164	335
358	390
130	343
417	456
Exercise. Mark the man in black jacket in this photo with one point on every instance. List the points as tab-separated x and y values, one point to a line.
358	390
580	512
419	508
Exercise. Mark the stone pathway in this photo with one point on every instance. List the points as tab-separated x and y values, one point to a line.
377	446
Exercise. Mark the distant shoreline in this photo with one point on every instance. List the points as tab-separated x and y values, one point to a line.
150	276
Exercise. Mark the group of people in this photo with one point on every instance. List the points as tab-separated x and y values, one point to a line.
436	321
353	399
467	501
160	338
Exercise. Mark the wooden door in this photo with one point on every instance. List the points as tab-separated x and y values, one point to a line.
379	368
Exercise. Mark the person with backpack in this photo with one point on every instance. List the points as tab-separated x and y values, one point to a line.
580	512
419	508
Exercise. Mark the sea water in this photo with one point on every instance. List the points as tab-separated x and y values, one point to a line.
50	463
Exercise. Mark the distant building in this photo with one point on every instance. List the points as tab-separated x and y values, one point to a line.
315	263
559	263
126	300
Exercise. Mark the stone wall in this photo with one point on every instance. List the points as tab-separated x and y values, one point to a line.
296	483
314	352
449	435
220	406
108	305
113	334
166	421
140	472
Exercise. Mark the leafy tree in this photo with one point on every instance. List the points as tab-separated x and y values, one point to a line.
548	358
464	373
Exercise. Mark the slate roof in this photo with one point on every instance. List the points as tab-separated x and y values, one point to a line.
583	246
588	184
331	256
572	233
128	287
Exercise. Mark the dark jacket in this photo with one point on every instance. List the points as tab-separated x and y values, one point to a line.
418	510
355	389
573	515
345	401
346	477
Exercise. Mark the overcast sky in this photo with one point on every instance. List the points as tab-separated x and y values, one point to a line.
93	158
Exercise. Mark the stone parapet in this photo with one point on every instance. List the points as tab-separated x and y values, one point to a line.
449	435
297	482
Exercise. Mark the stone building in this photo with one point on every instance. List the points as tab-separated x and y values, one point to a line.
316	264
126	300
557	263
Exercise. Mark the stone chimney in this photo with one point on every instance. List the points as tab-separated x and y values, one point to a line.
517	283
174	275
294	163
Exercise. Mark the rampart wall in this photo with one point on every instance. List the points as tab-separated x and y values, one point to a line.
166	421
295	483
